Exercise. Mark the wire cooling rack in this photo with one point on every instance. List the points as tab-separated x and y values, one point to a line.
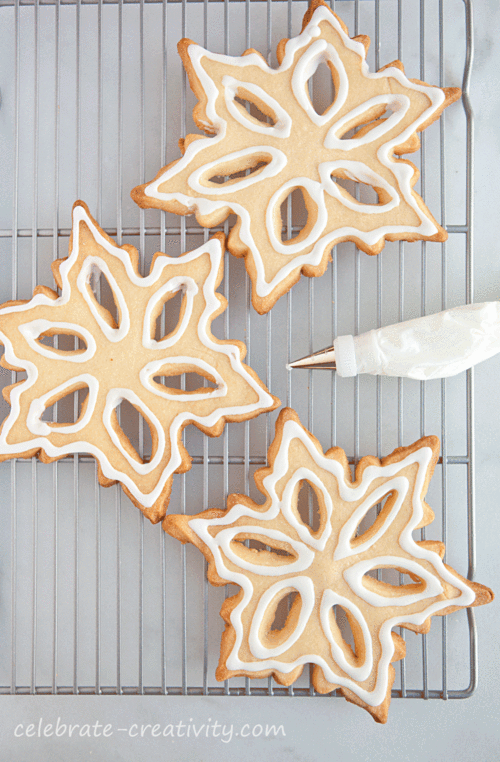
93	599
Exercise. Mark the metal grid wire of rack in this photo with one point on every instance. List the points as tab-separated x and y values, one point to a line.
94	599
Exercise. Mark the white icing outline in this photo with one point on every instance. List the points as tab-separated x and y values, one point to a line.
315	191
319	52
283	126
305	532
402	172
32	330
277	163
303	561
331	598
360	173
305	588
348	493
87	271
354	576
113	399
38	407
151	369
212	304
189	290
344	547
400	105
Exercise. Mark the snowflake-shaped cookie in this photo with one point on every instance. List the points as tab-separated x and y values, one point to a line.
122	360
251	165
327	567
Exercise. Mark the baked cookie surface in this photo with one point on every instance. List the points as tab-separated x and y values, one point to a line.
330	568
123	357
267	140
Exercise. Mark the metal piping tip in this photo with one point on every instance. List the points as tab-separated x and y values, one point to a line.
323	359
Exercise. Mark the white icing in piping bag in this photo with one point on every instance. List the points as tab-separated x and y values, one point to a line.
434	346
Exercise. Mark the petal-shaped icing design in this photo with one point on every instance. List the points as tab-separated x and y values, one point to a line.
272	159
399	104
39	405
114	398
359	173
88	269
154	369
282	120
305	588
360	672
304	556
35	328
304	531
155	305
317	218
320	51
344	548
354	577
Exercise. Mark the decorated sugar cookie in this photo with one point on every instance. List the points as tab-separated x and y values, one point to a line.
329	568
123	358
267	140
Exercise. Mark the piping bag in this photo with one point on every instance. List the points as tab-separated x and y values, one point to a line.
434	346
